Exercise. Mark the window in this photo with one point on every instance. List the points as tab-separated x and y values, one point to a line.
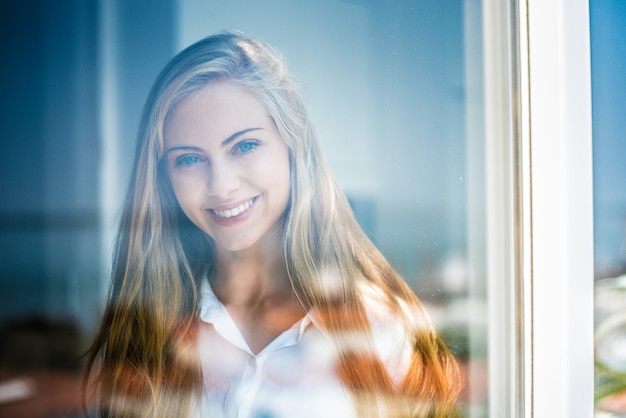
460	130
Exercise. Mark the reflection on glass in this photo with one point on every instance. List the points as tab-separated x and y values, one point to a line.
393	89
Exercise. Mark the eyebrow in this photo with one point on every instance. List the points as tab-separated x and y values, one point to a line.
224	142
237	135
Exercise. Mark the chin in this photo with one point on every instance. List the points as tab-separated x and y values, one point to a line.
234	246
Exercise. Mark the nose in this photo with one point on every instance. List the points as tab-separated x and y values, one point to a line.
223	180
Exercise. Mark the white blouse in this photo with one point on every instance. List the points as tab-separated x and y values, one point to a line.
294	375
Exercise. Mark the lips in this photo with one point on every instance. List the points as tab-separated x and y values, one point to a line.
232	215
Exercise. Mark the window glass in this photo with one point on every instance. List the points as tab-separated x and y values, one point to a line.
395	93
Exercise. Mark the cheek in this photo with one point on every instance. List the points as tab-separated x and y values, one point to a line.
284	180
186	193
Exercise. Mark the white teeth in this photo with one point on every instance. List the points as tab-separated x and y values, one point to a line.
229	213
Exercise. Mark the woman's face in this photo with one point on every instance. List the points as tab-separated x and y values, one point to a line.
228	165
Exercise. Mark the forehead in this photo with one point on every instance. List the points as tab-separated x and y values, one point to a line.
216	109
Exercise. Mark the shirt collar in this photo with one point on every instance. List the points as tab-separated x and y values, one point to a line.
213	311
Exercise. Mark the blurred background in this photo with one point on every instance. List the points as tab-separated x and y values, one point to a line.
395	92
393	88
608	66
52	263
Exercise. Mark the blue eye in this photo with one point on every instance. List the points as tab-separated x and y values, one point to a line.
187	160
244	147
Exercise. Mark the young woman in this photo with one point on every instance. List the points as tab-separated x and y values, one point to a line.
242	285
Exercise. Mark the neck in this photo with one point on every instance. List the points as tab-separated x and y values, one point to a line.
250	277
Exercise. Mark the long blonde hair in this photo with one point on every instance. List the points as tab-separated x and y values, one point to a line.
160	256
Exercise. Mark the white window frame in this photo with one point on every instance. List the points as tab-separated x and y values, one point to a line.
539	207
562	207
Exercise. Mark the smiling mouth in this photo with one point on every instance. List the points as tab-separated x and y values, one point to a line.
229	213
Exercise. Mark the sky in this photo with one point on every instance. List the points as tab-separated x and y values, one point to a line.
608	71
